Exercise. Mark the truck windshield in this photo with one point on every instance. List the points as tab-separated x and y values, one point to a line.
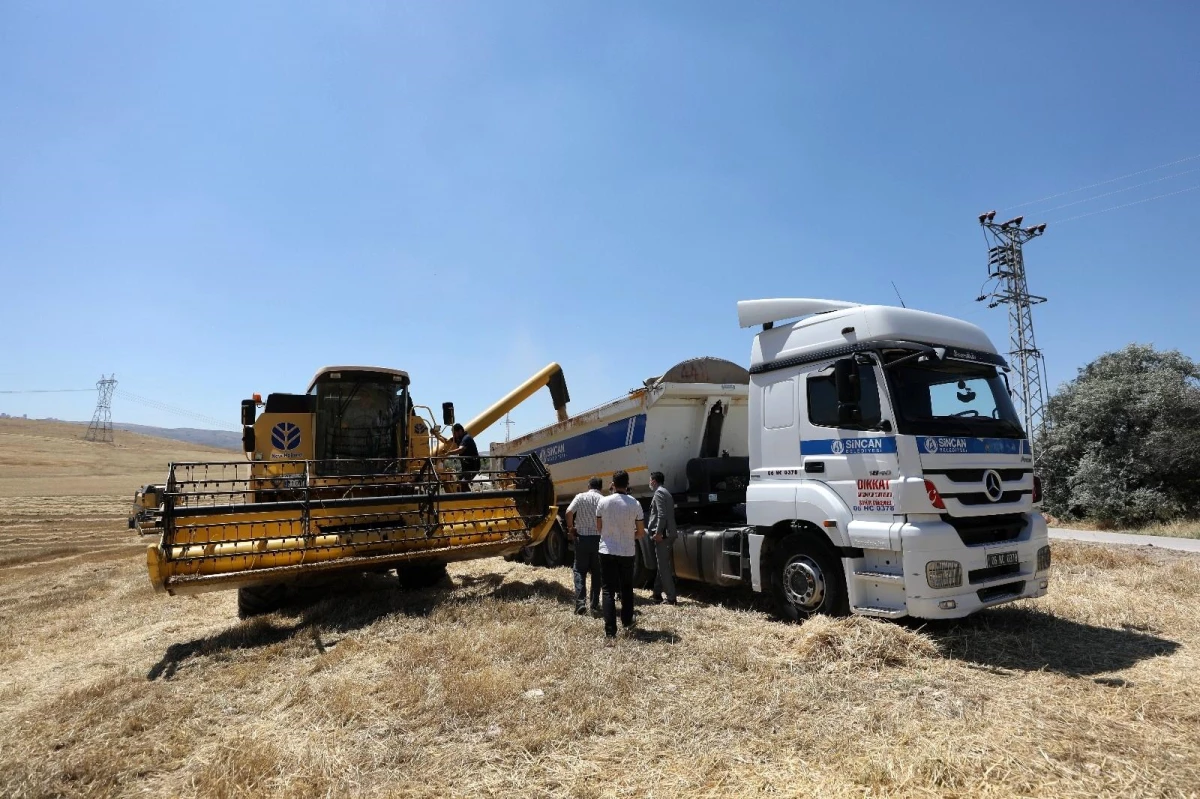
952	398
357	419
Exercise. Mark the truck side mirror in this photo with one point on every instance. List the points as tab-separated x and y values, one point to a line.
248	413
247	439
845	377
447	413
849	391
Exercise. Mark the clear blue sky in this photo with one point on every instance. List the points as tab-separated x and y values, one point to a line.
215	199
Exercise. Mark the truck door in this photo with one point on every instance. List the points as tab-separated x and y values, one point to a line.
857	460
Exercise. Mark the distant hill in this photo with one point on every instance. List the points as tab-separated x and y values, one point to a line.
40	458
222	439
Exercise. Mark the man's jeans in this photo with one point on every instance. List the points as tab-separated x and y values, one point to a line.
618	576
664	574
587	561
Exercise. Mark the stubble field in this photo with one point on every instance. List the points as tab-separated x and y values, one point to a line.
488	685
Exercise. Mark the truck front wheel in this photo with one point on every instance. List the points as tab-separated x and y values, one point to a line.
806	579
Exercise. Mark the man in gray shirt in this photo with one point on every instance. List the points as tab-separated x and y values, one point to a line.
619	520
661	527
581	528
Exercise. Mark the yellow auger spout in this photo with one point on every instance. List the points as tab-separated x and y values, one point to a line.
551	376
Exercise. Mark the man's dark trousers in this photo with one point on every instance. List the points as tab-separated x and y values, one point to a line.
587	562
618	576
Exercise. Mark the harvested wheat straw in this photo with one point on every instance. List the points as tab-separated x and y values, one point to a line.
113	690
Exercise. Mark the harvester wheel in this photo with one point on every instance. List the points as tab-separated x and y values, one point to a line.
555	547
415	576
255	600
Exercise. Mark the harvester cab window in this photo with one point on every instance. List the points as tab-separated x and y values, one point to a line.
359	419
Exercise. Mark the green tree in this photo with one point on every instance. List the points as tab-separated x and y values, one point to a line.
1122	442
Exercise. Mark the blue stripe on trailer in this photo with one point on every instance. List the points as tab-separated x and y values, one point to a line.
615	435
870	445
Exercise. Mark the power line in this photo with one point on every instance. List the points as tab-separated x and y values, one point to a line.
172	409
1101	183
1118	191
44	390
1126	205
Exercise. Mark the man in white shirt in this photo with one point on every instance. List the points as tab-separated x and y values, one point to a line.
581	529
619	519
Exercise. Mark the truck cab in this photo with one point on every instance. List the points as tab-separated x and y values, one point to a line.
889	472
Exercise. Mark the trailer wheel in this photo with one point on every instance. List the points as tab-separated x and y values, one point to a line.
256	600
643	576
806	579
415	576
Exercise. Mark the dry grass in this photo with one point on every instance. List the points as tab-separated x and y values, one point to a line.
1180	528
490	686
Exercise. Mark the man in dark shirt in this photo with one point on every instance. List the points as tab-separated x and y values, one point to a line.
468	454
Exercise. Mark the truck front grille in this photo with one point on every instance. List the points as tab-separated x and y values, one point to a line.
978	530
982	498
997	591
976	475
992	572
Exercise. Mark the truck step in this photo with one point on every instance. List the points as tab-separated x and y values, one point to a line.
879	577
882	613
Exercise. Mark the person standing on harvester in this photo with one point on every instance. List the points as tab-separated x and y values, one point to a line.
468	453
661	527
619	520
581	529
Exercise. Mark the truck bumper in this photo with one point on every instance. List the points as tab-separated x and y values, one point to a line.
982	585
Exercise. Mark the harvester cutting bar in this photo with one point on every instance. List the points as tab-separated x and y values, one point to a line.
242	523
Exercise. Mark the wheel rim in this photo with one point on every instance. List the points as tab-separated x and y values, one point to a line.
804	583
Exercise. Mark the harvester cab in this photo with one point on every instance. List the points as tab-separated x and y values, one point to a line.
349	476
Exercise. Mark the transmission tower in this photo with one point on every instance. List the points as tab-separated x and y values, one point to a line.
1006	276
101	427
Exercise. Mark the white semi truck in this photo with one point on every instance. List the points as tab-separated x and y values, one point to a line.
870	461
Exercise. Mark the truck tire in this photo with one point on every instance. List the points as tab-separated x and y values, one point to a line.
643	575
415	576
256	600
807	579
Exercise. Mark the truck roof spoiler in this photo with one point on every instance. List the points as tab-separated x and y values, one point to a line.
767	312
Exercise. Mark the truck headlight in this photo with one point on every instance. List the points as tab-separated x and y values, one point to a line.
1043	560
943	573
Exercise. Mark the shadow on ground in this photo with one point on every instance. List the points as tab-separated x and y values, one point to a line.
350	603
1027	639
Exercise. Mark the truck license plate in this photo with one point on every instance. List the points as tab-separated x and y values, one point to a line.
1002	559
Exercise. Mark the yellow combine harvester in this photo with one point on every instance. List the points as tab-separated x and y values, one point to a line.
350	476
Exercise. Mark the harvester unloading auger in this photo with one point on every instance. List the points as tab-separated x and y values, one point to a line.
350	476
